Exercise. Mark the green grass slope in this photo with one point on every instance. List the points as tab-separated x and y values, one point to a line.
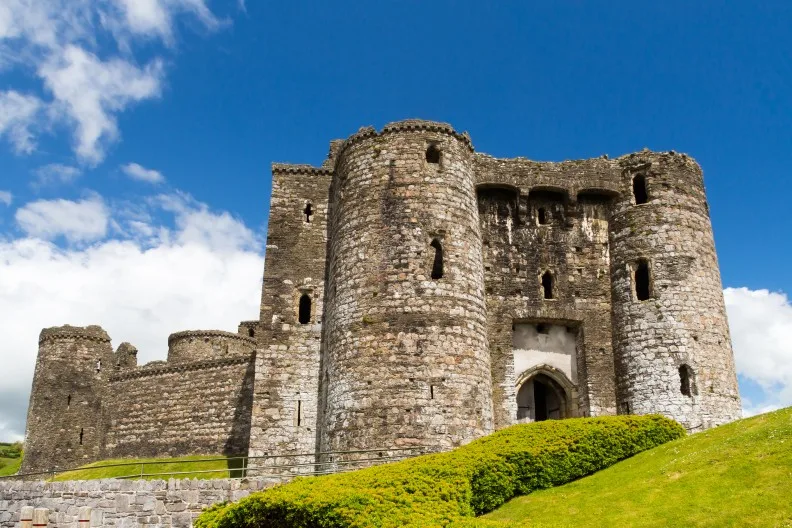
10	458
738	474
213	466
9	466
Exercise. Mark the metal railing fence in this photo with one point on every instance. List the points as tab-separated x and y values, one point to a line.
264	466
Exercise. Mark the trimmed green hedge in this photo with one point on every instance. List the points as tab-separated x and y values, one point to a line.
448	489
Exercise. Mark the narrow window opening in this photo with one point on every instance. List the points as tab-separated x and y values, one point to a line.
305	309
541	216
308	212
547	284
437	266
643	290
82	431
639	189
299	413
99	366
251	332
686	385
68	401
433	154
431	392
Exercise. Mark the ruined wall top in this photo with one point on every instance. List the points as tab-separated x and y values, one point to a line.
91	333
598	175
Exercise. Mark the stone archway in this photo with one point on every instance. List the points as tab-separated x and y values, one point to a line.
545	393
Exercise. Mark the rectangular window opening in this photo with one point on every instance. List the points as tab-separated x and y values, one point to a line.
643	280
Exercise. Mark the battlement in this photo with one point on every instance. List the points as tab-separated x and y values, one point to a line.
90	333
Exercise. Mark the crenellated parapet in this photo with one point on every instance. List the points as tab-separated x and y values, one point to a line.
67	332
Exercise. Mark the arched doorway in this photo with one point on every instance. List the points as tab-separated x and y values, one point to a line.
541	395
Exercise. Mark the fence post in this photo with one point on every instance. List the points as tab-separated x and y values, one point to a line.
40	517
26	517
84	519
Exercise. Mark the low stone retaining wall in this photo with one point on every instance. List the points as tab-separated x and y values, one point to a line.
121	503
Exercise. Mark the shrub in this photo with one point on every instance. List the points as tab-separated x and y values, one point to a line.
448	489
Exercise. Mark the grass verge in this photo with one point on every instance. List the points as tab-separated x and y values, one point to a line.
199	467
738	474
9	466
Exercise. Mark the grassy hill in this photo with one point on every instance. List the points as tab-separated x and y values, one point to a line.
10	458
214	466
739	474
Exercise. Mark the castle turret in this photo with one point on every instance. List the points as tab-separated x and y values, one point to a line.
203	345
64	426
405	358
671	338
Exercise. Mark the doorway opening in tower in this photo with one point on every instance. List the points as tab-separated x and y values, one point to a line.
545	364
541	398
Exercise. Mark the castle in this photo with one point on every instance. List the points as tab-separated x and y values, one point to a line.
419	293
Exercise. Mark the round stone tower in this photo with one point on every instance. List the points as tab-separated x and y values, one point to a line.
406	360
64	425
671	337
202	345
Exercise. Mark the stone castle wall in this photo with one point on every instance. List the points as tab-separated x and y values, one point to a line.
89	403
122	503
419	293
538	218
202	407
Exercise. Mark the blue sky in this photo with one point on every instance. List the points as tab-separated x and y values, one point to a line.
138	136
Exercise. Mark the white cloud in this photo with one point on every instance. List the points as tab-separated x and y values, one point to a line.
82	221
6	197
760	322
56	173
154	17
140	173
196	224
139	292
90	92
18	115
89	84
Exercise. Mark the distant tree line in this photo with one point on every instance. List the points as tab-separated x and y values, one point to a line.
10	450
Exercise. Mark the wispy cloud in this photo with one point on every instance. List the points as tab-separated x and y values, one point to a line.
19	116
55	173
81	221
6	197
140	173
83	85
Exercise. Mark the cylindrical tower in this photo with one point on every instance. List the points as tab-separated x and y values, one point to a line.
64	424
671	337
405	360
202	345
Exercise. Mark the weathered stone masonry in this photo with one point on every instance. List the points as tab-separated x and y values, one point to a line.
89	403
122	503
419	293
